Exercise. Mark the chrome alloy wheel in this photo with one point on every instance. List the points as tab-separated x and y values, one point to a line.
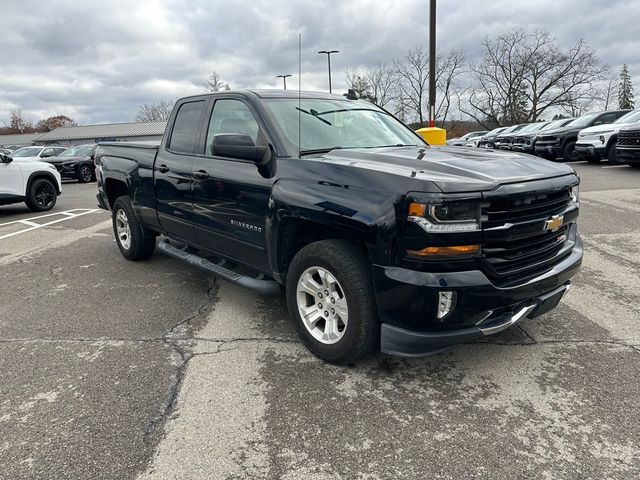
322	305
123	230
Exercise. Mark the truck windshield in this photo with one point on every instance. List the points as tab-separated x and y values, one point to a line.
326	124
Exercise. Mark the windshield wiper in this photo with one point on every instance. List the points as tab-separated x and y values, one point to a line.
314	114
396	145
318	150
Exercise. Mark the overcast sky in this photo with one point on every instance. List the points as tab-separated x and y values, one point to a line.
98	61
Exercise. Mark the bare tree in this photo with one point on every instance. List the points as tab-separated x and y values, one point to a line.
609	93
382	84
524	74
18	123
413	75
359	84
215	83
154	112
449	67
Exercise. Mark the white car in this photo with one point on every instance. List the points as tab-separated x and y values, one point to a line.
37	152
38	184
598	142
467	139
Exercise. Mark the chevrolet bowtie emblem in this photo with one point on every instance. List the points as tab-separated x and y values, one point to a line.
554	223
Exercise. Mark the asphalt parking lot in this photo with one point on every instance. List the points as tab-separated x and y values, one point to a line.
113	369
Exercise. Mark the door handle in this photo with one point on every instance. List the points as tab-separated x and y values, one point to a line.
163	168
201	175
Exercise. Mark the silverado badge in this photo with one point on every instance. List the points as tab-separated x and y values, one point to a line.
554	223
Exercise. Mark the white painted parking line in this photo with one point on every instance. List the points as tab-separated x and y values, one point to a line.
615	166
31	225
27	222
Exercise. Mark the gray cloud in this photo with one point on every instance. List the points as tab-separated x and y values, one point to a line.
98	61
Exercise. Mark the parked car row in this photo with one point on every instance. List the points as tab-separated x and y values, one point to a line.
592	137
72	163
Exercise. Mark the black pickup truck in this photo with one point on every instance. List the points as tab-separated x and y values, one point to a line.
380	241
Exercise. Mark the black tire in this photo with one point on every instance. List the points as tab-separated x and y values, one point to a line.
85	173
136	243
350	267
612	156
569	153
634	165
42	195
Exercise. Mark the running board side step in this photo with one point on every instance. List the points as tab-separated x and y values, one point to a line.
261	284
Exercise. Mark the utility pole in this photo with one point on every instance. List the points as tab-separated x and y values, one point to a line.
328	53
432	63
284	79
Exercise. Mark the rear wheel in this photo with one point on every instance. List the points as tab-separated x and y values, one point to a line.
134	241
330	299
85	173
42	195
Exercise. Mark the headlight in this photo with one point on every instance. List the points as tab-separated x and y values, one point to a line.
442	217
575	194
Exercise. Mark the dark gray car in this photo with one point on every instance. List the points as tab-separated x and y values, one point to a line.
76	163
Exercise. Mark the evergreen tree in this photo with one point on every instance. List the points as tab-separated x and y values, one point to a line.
625	91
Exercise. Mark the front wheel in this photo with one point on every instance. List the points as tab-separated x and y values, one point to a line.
569	153
331	301
42	195
612	156
134	241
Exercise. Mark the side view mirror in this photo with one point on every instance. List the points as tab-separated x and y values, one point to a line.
5	158
241	147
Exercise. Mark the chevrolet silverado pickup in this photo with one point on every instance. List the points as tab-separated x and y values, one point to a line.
379	241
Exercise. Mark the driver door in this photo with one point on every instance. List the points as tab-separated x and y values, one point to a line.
231	197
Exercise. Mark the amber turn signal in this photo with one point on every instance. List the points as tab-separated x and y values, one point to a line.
445	251
417	209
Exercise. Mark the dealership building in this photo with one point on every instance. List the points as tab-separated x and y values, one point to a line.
108	132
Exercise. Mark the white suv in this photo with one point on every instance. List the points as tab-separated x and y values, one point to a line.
38	184
598	142
37	152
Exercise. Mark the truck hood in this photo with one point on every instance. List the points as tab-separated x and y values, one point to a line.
451	169
561	131
598	129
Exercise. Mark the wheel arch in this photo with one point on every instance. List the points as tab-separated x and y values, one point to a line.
37	175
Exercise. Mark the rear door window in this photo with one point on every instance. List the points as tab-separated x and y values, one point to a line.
186	127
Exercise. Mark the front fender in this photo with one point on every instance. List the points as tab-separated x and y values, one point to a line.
370	216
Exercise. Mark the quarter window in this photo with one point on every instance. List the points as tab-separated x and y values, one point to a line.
186	127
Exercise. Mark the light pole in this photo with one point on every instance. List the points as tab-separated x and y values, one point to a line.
328	53
284	79
432	63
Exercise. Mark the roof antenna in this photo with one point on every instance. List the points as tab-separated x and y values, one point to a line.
299	90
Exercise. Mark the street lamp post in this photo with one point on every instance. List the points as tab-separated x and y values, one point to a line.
328	53
284	79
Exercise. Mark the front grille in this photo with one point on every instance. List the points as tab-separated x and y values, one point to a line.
522	255
518	246
515	209
629	139
549	140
